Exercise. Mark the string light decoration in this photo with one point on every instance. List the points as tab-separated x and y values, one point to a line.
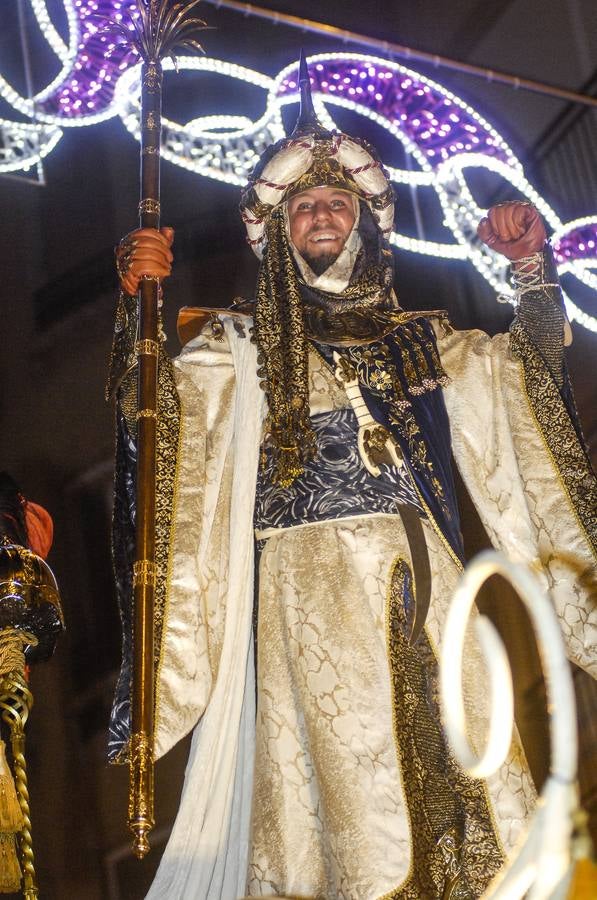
444	138
24	145
92	62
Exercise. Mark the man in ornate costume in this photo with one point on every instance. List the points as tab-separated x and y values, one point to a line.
312	433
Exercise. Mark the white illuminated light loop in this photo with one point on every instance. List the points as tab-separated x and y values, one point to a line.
403	72
578	267
263	132
401	175
215	152
465	213
227	148
24	145
63	51
572	226
67	55
217	126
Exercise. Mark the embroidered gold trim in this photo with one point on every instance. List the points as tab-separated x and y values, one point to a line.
149	205
454	849
361	326
152	77
283	356
167	450
147	347
121	376
146	414
144	572
171	486
437	529
141	759
559	437
482	784
121	363
150	121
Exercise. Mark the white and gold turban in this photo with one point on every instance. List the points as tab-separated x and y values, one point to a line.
314	157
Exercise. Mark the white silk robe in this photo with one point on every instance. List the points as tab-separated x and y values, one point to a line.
309	801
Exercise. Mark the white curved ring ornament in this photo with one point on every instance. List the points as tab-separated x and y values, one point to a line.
542	867
442	135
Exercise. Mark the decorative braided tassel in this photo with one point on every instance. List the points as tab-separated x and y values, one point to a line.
11	816
10	870
289	466
16	700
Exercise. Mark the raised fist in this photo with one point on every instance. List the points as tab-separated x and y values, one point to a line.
514	229
145	251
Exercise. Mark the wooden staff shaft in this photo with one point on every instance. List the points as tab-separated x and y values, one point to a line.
141	815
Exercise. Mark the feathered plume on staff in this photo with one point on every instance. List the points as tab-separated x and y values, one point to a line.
161	28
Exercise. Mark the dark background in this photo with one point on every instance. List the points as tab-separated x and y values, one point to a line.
57	306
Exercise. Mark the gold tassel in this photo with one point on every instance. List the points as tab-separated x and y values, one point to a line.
288	467
11	816
436	369
410	373
10	870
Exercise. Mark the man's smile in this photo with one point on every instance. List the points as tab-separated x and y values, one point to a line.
319	236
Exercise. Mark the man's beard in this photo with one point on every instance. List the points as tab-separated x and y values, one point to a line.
319	264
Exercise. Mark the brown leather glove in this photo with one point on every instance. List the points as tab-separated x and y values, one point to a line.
514	229
145	251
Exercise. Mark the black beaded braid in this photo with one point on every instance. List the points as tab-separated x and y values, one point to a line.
283	355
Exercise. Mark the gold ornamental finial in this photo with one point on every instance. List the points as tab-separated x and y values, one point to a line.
161	28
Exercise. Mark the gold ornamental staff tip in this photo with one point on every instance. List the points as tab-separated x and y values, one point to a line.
159	29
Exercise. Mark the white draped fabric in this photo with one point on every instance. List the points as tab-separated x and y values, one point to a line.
212	677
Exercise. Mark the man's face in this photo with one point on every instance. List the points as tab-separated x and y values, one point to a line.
321	220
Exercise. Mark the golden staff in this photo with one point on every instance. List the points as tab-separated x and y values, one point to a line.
160	28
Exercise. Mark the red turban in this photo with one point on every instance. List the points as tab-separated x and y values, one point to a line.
40	528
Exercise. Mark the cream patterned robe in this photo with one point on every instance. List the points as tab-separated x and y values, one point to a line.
329	815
